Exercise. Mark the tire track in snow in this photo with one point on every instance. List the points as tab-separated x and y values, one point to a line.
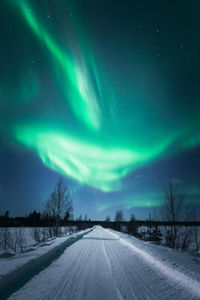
68	276
136	287
81	272
100	266
109	265
186	282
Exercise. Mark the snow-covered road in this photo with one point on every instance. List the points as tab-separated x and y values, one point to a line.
104	266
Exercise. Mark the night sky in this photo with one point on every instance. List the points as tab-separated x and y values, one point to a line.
105	94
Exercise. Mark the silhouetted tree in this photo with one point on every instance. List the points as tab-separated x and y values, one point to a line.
132	218
20	238
6	237
6	218
57	204
172	211
132	225
119	216
69	211
36	233
195	217
34	218
150	227
7	213
107	219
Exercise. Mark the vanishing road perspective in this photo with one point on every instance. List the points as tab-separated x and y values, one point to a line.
109	265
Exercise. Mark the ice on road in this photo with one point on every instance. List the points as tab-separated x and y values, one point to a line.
104	266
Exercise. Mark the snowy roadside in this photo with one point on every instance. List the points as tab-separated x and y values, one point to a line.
108	265
174	263
31	265
10	264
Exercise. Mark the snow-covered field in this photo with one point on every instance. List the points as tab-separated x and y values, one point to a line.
105	264
21	239
31	249
187	238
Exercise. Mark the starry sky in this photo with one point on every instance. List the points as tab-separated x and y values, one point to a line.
104	94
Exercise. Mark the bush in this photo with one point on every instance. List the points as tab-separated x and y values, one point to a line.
35	233
20	238
5	238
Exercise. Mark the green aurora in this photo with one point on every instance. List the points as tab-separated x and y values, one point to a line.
147	199
81	94
94	164
112	132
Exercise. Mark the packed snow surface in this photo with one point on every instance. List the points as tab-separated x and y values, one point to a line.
109	265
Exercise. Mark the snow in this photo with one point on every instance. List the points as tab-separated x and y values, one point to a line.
172	274
106	264
33	250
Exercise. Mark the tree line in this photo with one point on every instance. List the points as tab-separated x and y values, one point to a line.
174	215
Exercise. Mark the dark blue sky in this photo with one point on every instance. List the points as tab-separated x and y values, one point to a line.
104	94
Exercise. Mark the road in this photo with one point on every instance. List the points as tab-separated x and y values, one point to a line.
101	266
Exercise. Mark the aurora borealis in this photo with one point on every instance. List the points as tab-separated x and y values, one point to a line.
104	94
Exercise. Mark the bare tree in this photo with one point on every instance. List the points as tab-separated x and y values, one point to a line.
57	204
172	211
174	203
68	210
5	238
132	225
44	233
35	233
195	217
20	238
